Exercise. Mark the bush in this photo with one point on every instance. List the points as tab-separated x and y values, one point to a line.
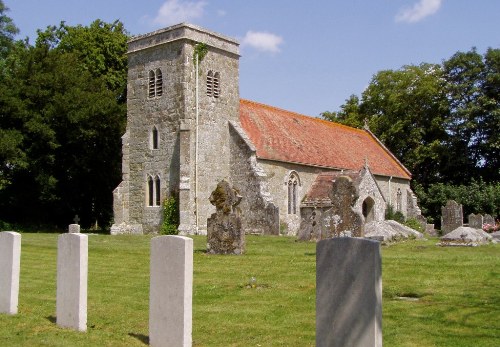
414	224
390	214
170	217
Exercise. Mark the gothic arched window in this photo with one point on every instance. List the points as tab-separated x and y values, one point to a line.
154	191
293	182
157	191
399	200
150	191
155	83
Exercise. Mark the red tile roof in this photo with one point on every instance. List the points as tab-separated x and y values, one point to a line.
291	137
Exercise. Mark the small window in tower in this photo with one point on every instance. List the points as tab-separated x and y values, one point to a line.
150	191
157	191
154	138
216	85
210	83
159	83
151	85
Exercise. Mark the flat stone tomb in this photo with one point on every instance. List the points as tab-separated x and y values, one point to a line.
171	291
348	293
72	272
10	261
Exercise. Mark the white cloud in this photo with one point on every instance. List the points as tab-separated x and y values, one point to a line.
262	41
177	11
419	11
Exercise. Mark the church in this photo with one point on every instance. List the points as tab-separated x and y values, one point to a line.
188	129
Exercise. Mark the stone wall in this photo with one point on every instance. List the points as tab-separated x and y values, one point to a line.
259	214
390	186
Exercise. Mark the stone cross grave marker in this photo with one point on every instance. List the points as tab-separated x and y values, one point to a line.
451	216
348	293
74	228
10	261
224	232
72	273
476	221
171	291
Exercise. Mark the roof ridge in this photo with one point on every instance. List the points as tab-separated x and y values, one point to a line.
312	118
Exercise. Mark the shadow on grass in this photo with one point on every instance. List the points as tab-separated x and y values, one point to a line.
143	338
52	319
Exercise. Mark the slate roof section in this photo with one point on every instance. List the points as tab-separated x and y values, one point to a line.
290	137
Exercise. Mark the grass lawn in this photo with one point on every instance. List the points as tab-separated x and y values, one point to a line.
432	296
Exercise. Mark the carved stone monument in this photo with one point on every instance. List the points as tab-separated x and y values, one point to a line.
451	216
488	219
476	221
345	221
224	231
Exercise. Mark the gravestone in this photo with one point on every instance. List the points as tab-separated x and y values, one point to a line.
74	229
72	272
488	219
348	293
344	220
451	216
171	291
10	261
224	231
476	221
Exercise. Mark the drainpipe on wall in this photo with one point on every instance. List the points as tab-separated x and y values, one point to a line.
196	150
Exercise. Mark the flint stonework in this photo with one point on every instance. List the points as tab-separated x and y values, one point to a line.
72	273
10	261
171	291
348	293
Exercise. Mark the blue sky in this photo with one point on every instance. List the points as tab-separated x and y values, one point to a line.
303	56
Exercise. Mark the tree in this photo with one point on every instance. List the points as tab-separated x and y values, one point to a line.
7	31
71	117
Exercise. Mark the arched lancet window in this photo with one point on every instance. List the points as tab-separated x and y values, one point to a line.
157	191
159	83
368	209
216	85
210	83
150	191
399	200
151	84
293	182
154	138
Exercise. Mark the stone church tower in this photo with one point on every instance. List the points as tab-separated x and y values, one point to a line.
177	138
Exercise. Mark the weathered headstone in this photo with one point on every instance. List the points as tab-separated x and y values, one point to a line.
74	229
451	216
343	218
476	221
72	273
348	293
488	219
224	231
10	261
171	290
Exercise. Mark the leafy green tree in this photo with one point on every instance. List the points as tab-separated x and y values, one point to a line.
7	30
71	117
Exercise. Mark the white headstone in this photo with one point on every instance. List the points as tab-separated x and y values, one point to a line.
171	291
10	262
348	293
72	272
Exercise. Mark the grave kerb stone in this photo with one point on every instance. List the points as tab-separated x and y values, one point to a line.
72	273
171	291
348	293
10	261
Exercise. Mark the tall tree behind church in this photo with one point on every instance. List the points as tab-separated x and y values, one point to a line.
68	102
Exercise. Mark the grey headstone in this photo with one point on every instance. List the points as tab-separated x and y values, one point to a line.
72	273
348	293
10	261
475	221
171	291
74	229
488	219
451	216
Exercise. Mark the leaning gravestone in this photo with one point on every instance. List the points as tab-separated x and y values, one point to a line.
72	272
10	261
348	293
224	231
451	216
475	221
171	291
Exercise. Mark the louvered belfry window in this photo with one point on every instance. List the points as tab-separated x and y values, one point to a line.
151	84
216	89
155	83
210	83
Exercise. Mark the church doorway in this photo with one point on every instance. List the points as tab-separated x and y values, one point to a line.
368	210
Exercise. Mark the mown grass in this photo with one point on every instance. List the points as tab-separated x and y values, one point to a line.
432	296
